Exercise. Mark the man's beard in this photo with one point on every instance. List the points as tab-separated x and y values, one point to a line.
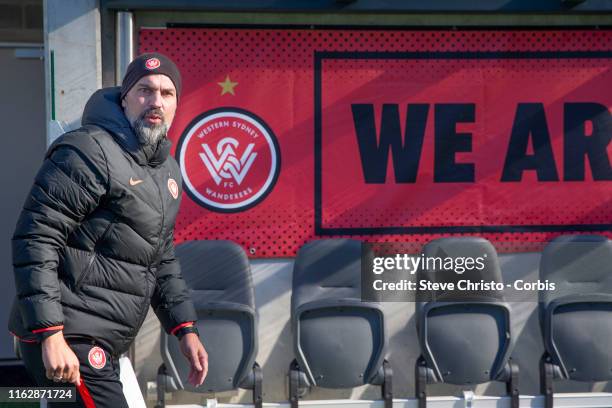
150	133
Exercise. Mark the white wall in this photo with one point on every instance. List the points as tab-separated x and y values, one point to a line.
72	32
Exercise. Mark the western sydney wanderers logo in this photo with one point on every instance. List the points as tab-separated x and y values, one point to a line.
229	159
152	63
227	166
96	357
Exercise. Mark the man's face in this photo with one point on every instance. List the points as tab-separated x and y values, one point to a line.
150	106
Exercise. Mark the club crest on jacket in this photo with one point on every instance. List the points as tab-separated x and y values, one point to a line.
173	188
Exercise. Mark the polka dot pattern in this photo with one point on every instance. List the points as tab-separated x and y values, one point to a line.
274	72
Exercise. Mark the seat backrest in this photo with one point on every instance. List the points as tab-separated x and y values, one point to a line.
464	336
458	248
339	341
216	271
576	264
219	278
577	314
327	269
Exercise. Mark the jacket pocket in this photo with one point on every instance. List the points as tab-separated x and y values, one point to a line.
82	275
93	255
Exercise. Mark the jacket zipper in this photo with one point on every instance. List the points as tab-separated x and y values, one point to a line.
146	303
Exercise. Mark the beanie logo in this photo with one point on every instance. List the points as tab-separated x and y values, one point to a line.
152	63
229	159
173	188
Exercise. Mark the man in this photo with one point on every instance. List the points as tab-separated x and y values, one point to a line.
93	246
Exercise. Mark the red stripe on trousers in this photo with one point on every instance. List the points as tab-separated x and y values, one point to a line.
82	388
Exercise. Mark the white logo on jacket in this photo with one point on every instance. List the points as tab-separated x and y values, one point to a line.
173	188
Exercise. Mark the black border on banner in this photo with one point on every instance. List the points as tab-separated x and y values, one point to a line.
319	56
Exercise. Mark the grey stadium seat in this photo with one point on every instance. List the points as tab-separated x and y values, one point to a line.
465	337
339	341
219	277
576	317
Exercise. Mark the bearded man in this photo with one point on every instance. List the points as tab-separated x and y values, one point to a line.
93	246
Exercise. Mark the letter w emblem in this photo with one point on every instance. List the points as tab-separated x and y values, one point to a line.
226	165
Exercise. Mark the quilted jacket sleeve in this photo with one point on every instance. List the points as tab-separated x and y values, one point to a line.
69	185
171	300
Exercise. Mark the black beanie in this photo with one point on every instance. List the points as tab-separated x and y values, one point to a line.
151	63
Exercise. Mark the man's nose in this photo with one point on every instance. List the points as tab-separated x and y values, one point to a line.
156	100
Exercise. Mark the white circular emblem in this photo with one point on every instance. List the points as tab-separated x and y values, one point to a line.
173	188
152	63
97	358
229	159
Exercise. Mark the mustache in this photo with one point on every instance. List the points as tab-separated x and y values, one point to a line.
151	112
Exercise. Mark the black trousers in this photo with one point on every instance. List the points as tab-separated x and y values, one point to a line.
100	386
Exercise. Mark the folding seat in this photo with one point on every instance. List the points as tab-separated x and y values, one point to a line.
465	336
221	286
576	317
339	341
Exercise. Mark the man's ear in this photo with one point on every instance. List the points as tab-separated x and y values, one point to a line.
123	104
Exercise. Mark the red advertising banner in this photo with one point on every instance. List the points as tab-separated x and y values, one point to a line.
284	136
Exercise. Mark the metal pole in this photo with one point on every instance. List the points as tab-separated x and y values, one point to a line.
124	48
124	53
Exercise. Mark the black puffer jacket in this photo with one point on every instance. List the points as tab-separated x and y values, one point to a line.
93	246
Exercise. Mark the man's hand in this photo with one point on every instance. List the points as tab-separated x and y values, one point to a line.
61	364
193	349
